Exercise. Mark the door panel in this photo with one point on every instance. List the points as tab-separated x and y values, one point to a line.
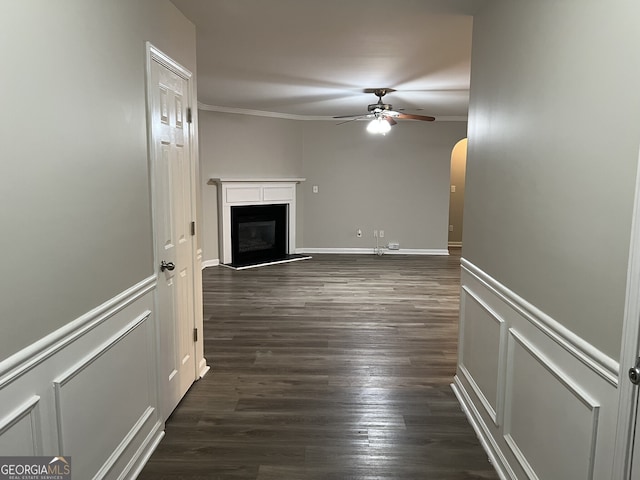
172	217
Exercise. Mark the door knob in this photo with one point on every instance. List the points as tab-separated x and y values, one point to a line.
166	266
634	373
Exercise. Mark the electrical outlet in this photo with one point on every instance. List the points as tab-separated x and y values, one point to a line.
375	234
381	233
359	233
451	228
314	189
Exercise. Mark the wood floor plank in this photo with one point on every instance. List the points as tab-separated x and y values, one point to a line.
338	367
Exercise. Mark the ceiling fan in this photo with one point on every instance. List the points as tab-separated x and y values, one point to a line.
383	114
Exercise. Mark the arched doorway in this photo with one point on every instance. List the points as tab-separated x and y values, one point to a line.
456	197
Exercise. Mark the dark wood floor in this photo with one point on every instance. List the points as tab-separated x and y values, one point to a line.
332	368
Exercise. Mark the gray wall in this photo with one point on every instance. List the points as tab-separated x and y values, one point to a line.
243	146
398	183
364	181
554	131
76	217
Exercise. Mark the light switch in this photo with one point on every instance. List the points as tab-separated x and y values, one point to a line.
453	189
314	189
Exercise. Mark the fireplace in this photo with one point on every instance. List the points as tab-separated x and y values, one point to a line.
266	210
258	234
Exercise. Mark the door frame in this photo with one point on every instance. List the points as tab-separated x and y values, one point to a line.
153	54
630	346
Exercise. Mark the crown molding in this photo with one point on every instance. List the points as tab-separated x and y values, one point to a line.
290	116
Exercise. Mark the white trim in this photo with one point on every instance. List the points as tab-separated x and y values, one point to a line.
126	441
18	414
203	368
497	414
210	263
148	447
596	360
20	363
455	244
155	54
627	392
478	392
219	180
291	116
496	457
371	251
569	385
28	408
101	350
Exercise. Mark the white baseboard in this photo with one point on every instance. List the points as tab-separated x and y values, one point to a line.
486	440
203	368
455	244
210	263
143	456
371	251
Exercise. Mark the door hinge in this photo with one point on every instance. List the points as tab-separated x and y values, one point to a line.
193	228
195	334
189	119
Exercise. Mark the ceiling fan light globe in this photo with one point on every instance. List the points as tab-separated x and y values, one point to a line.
378	125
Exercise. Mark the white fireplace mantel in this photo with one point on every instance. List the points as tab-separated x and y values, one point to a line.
254	191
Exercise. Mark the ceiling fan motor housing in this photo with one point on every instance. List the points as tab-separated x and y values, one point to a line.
380	107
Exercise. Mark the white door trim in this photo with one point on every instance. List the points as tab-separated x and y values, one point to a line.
627	392
153	54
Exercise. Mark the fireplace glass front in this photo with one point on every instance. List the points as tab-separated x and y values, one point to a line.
258	233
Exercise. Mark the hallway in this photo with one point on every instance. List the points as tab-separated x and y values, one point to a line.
332	368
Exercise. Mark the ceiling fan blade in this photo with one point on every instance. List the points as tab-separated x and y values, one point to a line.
391	121
409	116
350	116
350	120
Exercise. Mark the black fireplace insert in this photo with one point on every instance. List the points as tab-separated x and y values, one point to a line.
258	234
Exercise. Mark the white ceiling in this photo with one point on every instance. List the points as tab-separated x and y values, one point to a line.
314	57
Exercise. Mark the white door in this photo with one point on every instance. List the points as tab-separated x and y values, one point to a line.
168	97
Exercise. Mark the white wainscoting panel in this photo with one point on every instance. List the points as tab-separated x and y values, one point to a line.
88	391
541	399
112	381
20	430
482	352
564	419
